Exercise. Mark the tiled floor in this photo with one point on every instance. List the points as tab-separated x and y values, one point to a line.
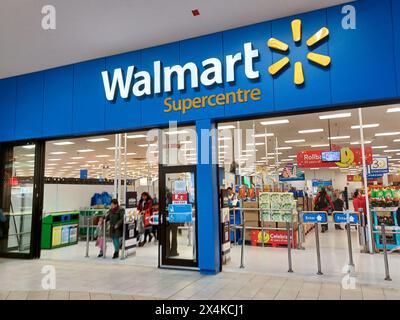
264	277
82	281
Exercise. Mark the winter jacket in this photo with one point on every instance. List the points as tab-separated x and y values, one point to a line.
116	217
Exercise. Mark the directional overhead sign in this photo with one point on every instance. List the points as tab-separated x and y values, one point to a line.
341	217
315	217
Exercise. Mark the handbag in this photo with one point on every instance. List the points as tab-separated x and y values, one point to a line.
140	224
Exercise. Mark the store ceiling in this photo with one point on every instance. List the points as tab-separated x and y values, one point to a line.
88	29
67	160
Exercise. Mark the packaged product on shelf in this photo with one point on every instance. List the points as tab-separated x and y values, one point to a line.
276	215
266	216
276	200
265	200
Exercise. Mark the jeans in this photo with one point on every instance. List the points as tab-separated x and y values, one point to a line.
115	240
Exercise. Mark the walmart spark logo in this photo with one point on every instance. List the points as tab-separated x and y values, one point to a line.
280	46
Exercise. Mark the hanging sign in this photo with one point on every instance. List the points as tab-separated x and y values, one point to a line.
315	217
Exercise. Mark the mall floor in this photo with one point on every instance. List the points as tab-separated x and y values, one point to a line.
264	276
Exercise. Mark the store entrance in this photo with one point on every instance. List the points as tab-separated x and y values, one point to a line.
178	216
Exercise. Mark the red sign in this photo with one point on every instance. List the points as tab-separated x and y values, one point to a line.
13	181
179	197
349	157
273	237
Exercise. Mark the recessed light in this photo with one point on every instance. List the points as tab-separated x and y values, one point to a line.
392	150
311	131
148	145
262	135
295	141
97	140
391	110
135	136
366	126
379	147
319	145
226	127
63	143
385	134
335	116
175	132
58	152
358	142
273	122
339	138
283	148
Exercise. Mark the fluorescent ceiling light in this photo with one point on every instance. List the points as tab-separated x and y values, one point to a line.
335	116
311	131
148	145
226	127
85	150
283	148
97	140
385	134
287	160
54	159
391	151
262	135
29	155
58	152
314	168
379	147
103	156
31	146
186	142
272	122
391	110
175	132
293	156
135	136
71	163
51	164
255	144
223	138
319	145
295	141
109	148
339	138
366	126
274	153
358	142
130	154
76	158
63	143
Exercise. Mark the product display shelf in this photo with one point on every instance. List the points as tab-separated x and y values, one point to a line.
389	217
60	229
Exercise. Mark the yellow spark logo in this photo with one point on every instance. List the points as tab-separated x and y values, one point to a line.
319	59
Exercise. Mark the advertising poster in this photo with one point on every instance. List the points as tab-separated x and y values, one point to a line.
291	173
56	238
131	199
179	197
349	157
379	165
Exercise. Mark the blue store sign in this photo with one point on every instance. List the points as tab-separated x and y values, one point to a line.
180	213
315	217
341	217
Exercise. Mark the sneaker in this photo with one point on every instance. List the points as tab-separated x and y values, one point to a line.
116	255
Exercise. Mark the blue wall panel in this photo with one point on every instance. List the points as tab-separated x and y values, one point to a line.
29	109
57	110
316	89
362	59
123	113
396	39
8	100
196	50
89	99
153	106
233	41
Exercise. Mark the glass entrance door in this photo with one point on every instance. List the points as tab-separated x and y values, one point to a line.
20	201
178	216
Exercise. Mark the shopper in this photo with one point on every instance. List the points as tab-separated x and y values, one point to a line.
145	207
234	215
3	221
359	202
116	215
338	205
100	236
323	202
